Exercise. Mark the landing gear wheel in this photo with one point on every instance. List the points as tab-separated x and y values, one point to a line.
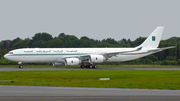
82	66
95	66
20	66
87	66
91	66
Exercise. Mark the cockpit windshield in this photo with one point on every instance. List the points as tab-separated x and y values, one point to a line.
10	53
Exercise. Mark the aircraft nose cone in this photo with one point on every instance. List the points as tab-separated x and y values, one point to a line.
5	56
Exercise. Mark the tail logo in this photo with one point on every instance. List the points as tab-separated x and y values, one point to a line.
153	38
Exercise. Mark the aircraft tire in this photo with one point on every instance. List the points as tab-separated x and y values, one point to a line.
82	66
95	66
20	66
87	66
91	66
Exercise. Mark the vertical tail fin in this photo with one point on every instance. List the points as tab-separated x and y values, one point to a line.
154	38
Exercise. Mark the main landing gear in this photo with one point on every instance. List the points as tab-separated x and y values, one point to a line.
89	66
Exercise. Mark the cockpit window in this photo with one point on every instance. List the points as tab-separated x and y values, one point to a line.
10	53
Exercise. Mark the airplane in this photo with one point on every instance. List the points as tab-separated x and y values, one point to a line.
87	56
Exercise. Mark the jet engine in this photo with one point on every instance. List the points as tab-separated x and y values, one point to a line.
97	58
72	61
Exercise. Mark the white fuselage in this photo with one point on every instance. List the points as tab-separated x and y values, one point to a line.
36	55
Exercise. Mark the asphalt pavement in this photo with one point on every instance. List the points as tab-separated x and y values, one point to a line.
84	93
27	69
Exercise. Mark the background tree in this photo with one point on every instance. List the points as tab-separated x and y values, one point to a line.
1	53
56	43
21	44
61	35
45	40
42	36
104	44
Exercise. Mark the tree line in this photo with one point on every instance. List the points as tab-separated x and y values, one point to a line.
45	40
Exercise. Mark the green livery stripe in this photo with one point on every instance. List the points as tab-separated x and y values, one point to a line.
43	54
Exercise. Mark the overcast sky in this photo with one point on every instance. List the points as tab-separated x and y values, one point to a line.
97	19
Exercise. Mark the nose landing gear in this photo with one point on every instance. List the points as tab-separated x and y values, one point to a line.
20	65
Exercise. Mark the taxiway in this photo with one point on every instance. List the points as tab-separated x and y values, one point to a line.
27	69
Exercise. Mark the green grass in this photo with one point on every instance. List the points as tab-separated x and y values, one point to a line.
87	78
140	66
99	66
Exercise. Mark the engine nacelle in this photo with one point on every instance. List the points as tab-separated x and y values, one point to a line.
72	61
97	58
58	64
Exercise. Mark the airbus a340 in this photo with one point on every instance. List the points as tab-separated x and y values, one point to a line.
87	56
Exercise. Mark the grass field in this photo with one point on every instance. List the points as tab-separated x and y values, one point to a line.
99	66
87	78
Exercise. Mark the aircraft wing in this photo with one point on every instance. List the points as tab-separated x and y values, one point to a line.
111	54
108	54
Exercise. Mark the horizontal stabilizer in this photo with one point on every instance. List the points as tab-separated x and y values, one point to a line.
168	47
160	49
